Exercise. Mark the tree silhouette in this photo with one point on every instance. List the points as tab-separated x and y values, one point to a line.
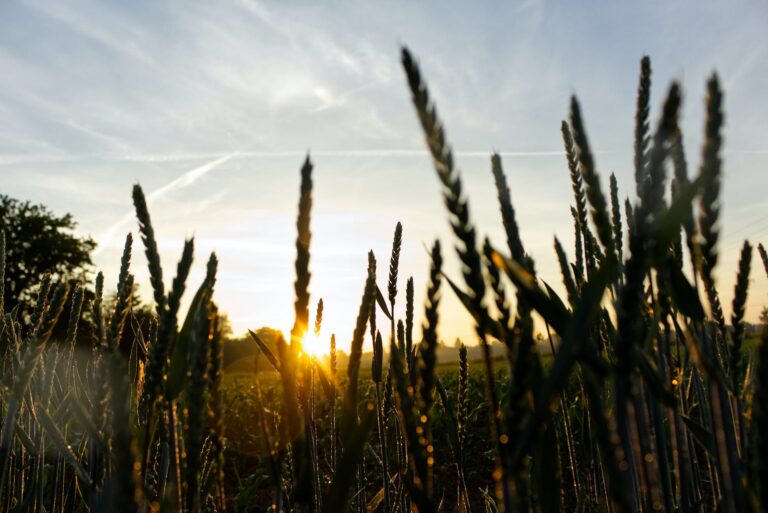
37	241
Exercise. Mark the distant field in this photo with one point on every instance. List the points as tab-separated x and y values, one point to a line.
270	376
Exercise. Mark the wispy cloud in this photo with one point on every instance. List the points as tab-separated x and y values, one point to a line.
107	238
79	22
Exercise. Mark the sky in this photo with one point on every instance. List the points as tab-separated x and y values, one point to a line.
212	107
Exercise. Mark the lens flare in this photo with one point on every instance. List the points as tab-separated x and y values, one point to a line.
313	345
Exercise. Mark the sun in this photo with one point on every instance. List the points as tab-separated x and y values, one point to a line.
313	345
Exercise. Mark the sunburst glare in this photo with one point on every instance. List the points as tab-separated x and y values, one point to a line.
313	345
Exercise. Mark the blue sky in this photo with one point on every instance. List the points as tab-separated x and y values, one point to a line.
211	106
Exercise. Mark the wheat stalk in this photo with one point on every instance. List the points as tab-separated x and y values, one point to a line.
301	285
737	317
462	227
763	257
591	179
507	210
642	125
616	219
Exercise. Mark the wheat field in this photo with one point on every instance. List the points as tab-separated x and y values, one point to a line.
641	397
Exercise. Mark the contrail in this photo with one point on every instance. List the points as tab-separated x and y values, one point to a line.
185	180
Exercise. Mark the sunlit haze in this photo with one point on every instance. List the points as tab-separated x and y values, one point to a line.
213	106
